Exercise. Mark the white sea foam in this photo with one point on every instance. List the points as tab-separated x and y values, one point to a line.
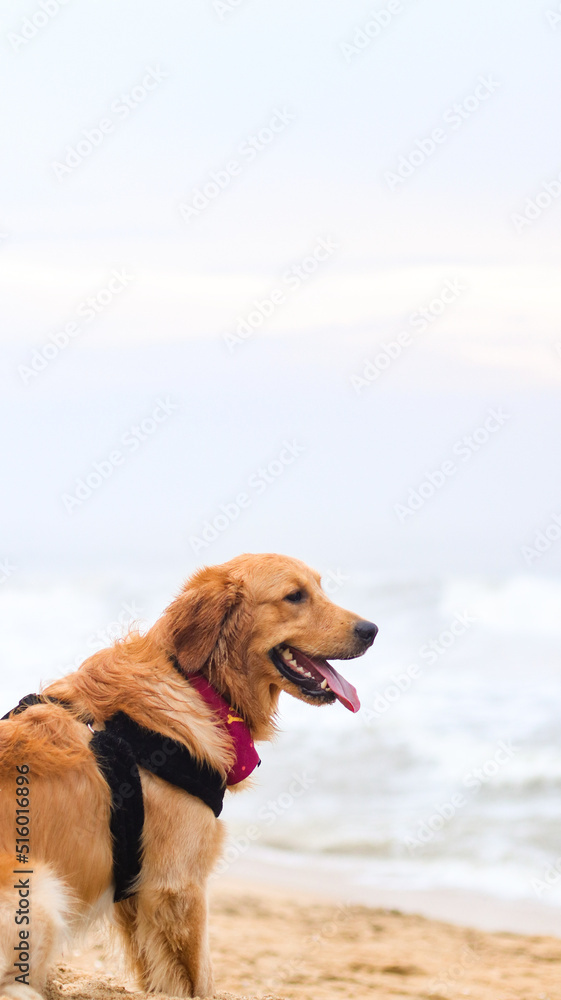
377	779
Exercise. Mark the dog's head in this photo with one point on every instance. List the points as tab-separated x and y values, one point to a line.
260	624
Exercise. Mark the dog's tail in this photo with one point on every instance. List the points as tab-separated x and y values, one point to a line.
35	910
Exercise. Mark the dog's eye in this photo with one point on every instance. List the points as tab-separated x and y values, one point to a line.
296	596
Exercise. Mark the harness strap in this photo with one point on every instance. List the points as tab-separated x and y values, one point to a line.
33	699
118	766
170	760
247	758
120	749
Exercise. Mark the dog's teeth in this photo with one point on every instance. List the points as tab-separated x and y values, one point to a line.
323	684
288	658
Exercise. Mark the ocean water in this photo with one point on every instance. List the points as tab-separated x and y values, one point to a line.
448	777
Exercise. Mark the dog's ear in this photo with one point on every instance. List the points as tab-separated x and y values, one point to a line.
205	621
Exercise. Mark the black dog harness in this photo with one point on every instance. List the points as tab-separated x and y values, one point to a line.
119	750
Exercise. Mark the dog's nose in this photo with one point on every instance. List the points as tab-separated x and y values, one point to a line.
366	632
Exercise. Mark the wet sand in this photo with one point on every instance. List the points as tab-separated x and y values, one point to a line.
270	944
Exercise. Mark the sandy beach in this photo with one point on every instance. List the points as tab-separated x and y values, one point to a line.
270	944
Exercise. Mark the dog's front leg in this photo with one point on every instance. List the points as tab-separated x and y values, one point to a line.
168	941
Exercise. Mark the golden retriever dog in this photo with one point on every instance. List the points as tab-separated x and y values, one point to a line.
246	630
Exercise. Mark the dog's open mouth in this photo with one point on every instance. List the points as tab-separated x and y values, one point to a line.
314	676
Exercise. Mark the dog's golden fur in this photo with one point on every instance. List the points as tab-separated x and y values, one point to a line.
224	622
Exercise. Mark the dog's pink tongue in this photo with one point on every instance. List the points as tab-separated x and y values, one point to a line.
341	688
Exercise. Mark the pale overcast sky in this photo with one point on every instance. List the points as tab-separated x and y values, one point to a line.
419	146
